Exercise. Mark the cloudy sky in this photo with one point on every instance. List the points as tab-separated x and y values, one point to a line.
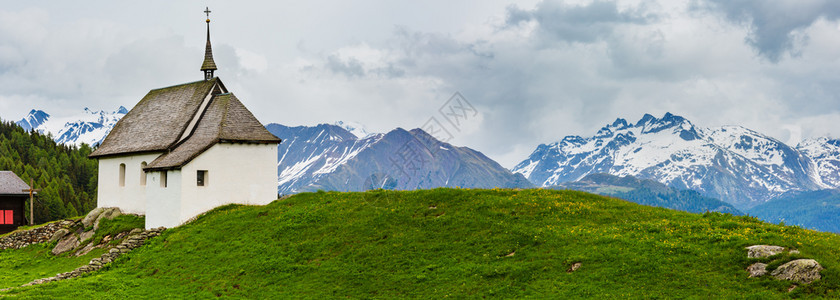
534	71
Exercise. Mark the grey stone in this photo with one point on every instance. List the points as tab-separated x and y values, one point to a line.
794	251
67	243
92	216
86	235
90	246
761	251
800	270
757	269
574	267
58	235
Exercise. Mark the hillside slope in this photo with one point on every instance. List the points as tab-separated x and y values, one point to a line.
456	243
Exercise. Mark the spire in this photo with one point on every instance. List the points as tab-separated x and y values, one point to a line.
209	65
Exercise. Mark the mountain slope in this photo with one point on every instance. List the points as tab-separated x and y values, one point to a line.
34	119
819	210
648	192
453	243
329	157
826	154
731	163
89	127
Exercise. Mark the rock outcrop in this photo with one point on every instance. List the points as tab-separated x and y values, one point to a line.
801	270
67	243
762	251
134	239
76	233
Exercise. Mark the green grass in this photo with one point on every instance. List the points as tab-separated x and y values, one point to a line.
455	243
121	223
20	266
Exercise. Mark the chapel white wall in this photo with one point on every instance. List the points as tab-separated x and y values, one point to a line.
163	204
130	198
236	173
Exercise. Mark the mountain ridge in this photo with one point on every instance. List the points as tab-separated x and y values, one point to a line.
89	127
330	157
732	163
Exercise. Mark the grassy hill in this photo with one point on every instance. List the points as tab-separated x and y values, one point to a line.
454	243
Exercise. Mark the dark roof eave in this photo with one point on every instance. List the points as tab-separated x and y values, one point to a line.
230	141
109	155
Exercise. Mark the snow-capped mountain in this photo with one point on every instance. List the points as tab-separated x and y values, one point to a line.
329	157
731	163
32	120
89	127
826	154
355	128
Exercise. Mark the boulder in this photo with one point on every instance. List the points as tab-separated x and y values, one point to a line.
67	243
757	269
800	270
58	235
92	216
86	235
761	251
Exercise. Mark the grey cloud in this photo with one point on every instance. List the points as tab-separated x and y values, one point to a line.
350	67
585	24
772	25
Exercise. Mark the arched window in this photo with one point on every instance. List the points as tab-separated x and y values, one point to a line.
122	174
143	173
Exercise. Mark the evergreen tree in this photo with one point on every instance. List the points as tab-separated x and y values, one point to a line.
64	173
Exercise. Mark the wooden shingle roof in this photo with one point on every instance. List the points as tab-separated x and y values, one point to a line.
208	63
158	120
11	184
226	120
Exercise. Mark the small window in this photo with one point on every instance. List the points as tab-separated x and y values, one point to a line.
143	174
7	217
163	179
201	178
122	174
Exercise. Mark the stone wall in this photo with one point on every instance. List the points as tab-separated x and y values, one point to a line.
135	239
20	239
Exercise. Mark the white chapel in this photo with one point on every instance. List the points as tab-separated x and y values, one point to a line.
185	149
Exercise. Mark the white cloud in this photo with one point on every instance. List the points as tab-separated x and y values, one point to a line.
534	71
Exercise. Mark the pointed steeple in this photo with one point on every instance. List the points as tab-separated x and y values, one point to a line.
209	65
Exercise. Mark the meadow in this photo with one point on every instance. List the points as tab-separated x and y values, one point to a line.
445	243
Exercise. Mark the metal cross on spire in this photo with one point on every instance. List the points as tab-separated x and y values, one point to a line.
207	11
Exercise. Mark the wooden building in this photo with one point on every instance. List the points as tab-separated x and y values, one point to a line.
12	201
